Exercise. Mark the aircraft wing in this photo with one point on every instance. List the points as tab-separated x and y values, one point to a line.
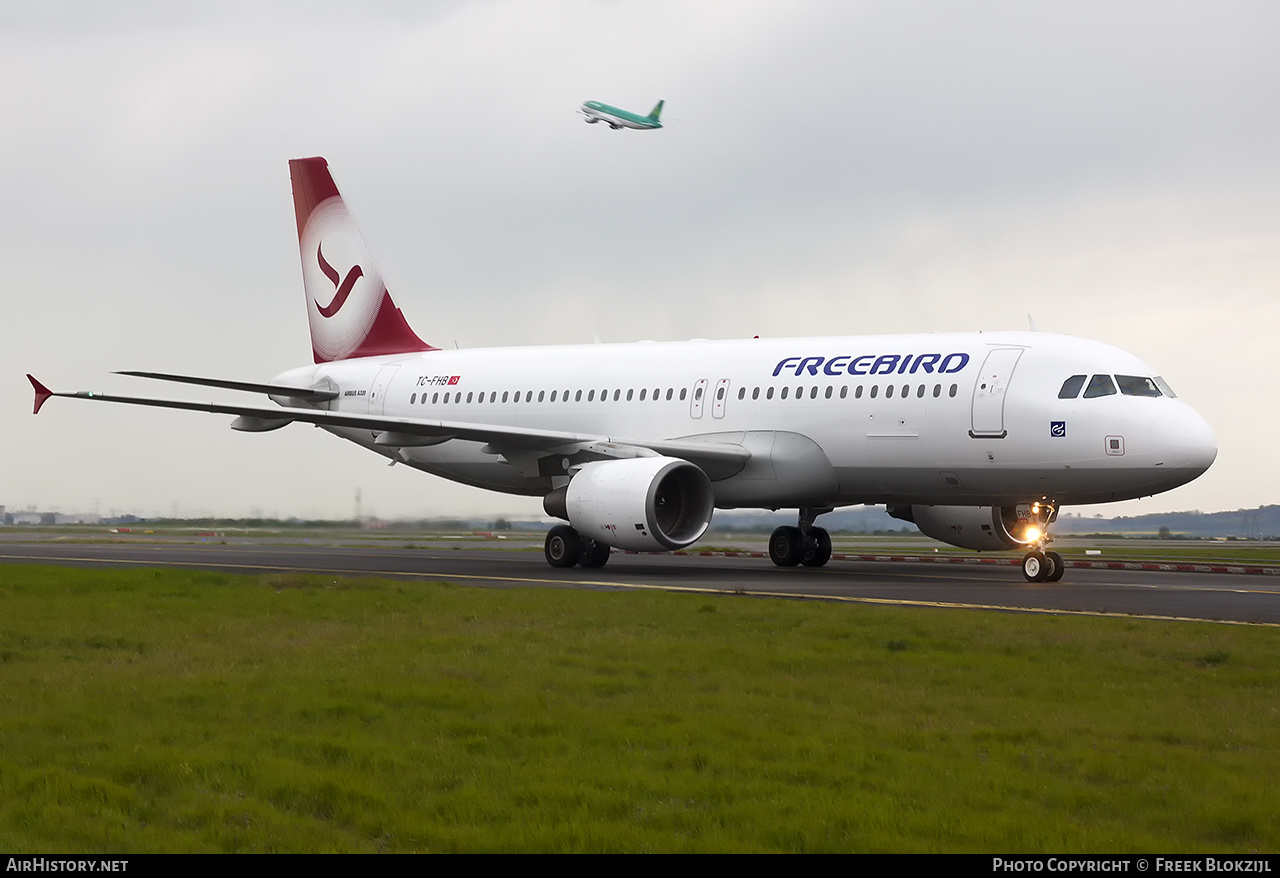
401	432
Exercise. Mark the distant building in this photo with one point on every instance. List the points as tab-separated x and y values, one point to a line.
76	518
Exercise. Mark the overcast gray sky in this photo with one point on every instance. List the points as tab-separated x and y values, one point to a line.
1113	168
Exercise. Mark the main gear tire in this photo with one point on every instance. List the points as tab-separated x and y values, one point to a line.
786	546
594	554
563	546
817	548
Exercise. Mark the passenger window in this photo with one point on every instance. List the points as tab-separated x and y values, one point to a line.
541	395
953	391
719	393
920	392
616	394
1132	385
874	389
888	392
755	393
1071	387
591	396
813	394
768	394
844	391
684	391
857	392
828	393
553	395
577	397
937	391
1100	385
468	397
784	391
413	397
643	392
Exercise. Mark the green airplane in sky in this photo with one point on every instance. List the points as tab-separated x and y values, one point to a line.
598	112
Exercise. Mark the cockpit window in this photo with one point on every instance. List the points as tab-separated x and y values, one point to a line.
1164	385
1071	387
1099	385
1133	385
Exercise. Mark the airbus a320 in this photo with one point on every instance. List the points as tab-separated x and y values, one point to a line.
978	438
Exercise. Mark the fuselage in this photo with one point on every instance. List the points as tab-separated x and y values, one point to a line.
946	419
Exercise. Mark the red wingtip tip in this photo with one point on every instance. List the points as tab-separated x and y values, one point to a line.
42	393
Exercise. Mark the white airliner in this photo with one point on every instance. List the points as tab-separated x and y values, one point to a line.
978	438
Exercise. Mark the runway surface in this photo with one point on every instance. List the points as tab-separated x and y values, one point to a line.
1149	594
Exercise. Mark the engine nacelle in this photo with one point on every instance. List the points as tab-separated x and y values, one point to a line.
647	504
984	528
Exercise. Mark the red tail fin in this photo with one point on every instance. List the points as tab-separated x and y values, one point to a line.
358	318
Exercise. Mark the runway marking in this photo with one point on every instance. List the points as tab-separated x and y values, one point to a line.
1102	584
689	589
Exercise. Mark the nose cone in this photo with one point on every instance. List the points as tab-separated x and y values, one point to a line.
1185	441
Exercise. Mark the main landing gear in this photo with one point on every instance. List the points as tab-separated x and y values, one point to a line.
806	544
565	547
1040	565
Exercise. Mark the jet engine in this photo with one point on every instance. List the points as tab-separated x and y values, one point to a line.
647	504
984	528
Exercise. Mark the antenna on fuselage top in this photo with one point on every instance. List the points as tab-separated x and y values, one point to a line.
1031	322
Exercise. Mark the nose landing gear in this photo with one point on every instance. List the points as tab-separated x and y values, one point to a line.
1040	565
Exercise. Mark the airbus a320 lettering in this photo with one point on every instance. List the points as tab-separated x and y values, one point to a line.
977	438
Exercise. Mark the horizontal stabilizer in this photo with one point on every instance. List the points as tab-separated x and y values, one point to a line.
42	393
307	394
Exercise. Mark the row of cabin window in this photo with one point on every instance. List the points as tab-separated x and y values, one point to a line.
921	390
1102	385
542	395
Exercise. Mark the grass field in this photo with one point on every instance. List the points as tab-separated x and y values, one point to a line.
166	710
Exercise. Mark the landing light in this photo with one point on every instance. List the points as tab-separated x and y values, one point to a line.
1032	534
